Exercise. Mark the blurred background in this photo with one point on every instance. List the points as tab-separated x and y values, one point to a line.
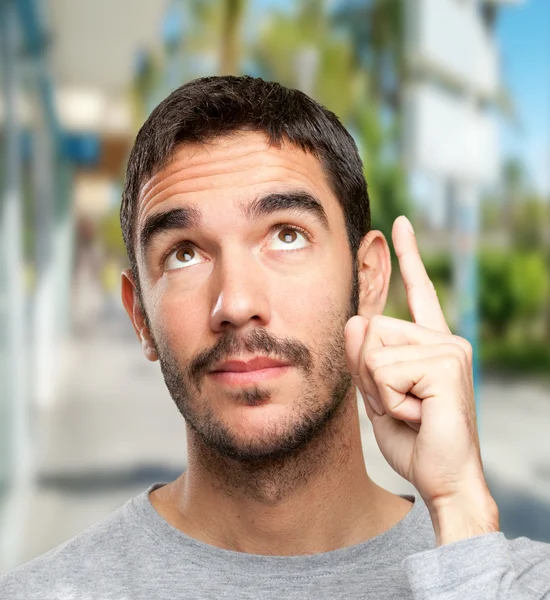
449	102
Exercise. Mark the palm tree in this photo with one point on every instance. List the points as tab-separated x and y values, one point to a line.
300	50
377	31
233	11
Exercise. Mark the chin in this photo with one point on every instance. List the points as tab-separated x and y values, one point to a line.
251	448
263	432
257	424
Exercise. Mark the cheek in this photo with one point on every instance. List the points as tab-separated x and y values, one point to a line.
178	319
315	302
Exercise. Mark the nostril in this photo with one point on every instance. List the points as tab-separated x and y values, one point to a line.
230	324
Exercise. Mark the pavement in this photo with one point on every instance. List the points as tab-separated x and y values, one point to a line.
113	429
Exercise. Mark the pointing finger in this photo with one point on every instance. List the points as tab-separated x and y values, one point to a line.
421	295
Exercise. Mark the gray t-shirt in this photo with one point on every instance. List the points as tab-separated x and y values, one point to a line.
134	554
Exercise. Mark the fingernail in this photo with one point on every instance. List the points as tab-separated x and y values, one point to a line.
375	404
408	224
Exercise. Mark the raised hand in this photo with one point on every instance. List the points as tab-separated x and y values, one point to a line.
416	380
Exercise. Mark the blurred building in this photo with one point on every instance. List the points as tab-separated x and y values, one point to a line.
66	125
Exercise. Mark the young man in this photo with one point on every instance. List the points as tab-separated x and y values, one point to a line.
258	284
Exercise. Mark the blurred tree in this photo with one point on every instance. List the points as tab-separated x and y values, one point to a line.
529	283
208	43
529	222
514	289
300	50
233	11
376	29
513	176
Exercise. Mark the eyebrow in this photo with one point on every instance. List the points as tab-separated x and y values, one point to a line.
178	218
191	217
295	201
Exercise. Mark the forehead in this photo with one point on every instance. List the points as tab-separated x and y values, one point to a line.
238	166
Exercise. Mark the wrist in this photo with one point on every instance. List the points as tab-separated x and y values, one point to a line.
463	517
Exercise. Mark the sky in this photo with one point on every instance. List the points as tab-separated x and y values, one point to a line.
523	33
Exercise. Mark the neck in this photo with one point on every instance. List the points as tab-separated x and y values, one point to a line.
316	500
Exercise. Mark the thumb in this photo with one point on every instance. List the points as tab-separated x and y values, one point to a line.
354	334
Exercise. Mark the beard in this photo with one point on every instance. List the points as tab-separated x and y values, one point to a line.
325	385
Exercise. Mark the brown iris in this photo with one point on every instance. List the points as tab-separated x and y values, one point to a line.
185	254
288	235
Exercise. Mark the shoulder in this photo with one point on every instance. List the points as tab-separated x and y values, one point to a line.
67	570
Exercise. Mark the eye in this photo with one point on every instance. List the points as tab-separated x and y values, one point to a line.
289	238
184	256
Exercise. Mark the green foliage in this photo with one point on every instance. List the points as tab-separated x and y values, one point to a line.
335	74
439	268
287	37
376	32
496	302
513	174
385	175
513	287
527	357
388	195
531	217
529	283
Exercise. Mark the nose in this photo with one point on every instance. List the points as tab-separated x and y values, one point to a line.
240	292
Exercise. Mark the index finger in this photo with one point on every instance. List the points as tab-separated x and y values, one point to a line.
421	295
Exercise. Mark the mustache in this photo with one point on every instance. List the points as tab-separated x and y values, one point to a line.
255	340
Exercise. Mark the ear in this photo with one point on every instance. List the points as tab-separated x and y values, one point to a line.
132	304
374	270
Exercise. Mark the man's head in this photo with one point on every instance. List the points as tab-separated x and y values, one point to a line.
246	218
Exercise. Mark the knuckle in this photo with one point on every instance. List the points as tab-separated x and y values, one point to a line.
379	375
469	351
393	411
409	286
392	403
451	364
465	346
372	359
454	350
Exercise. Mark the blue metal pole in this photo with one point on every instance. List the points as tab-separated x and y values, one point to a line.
466	225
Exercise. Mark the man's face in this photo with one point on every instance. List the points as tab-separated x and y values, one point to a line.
247	283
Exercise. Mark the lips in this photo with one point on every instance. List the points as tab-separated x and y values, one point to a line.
255	364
